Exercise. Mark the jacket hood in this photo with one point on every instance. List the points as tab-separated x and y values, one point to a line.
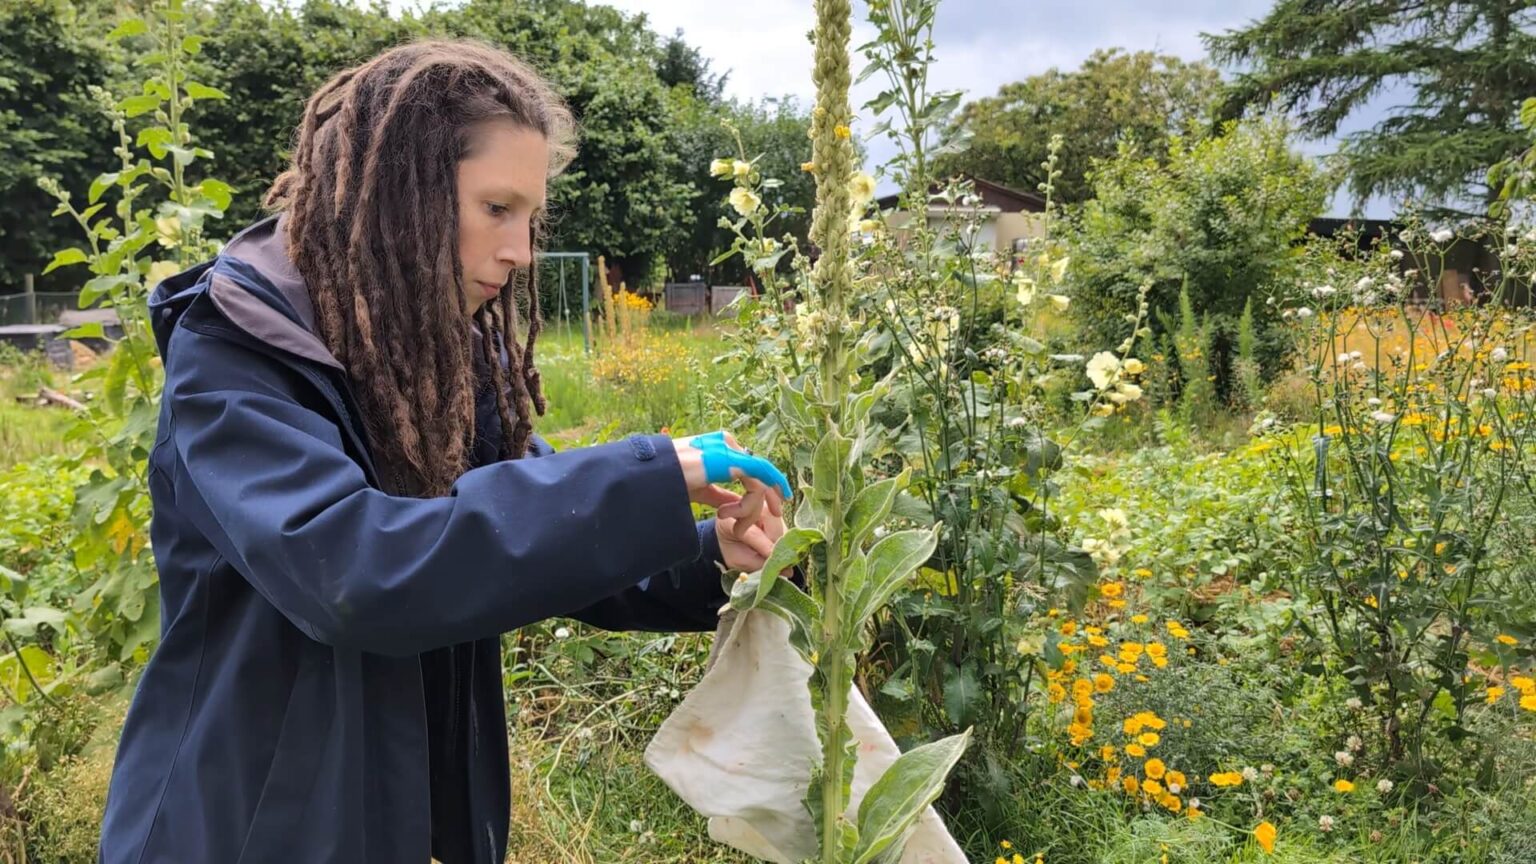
255	286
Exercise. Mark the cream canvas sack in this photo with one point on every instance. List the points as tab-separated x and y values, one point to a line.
740	747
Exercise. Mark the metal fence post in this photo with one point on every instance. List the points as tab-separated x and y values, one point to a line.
29	301
586	307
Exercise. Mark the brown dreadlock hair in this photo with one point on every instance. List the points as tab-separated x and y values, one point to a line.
372	226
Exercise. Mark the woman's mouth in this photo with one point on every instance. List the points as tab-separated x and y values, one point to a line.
490	289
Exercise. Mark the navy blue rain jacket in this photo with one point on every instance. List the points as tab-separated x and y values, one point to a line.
328	685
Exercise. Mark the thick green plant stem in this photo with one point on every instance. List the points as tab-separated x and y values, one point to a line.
832	154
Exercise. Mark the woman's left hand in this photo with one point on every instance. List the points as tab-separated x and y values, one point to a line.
748	529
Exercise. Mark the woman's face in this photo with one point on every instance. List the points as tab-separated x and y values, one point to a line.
501	189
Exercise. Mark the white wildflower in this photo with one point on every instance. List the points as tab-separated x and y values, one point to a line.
1384	786
1344	758
1251	774
562	633
1325	823
1354	743
1443	235
1498	355
1303	313
1115	517
1383	416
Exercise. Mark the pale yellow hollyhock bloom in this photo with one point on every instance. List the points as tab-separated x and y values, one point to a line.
1134	367
1025	286
1060	301
745	201
1057	267
160	271
1103	369
742	169
862	188
722	167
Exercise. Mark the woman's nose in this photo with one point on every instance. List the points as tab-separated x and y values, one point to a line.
517	248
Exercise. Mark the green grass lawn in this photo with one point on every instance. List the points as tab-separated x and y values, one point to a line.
29	430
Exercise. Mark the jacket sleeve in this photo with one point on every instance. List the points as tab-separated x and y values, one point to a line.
684	598
268	481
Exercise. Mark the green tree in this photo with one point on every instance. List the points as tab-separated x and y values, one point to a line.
1115	96
1468	64
624	195
268	58
681	65
1221	218
50	52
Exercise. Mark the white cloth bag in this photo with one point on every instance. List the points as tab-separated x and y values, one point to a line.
740	747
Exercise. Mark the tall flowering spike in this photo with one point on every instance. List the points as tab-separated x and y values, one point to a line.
832	154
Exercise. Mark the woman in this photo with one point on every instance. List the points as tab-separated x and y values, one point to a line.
344	522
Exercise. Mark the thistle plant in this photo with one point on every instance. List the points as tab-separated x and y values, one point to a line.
1417	452
851	574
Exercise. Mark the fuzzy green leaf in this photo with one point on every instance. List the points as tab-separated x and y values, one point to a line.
891	561
130	27
133	106
64	259
898	798
202	91
871	507
829	463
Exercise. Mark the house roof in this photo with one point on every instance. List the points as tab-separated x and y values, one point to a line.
994	196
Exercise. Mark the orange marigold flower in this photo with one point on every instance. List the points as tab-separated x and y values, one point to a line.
1264	834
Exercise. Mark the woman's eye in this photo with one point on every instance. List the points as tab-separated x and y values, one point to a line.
496	209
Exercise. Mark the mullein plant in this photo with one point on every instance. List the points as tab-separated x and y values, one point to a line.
851	572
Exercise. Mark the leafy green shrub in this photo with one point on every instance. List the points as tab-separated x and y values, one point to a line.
1221	218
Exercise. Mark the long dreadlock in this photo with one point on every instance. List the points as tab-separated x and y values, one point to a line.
372	226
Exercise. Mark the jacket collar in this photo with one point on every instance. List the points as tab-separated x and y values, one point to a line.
255	285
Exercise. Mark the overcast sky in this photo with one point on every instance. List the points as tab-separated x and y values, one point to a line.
980	44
